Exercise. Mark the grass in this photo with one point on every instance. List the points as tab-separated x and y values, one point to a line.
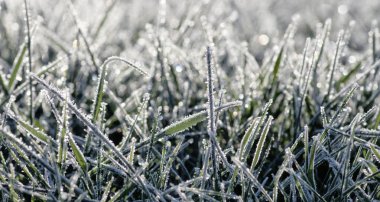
208	101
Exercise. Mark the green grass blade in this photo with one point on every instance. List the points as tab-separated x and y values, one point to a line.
23	167
31	129
97	102
348	76
14	196
313	150
83	118
62	144
101	87
251	133
260	144
375	152
107	190
335	61
192	120
247	142
276	67
306	147
30	164
117	195
248	136
132	152
79	157
37	157
16	67
2	84
45	69
169	163
252	178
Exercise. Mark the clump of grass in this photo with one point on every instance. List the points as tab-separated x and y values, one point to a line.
295	120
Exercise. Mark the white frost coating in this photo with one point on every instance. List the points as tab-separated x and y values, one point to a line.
95	129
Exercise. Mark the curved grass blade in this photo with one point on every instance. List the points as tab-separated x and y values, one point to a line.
101	86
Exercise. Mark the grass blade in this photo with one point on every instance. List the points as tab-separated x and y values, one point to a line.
100	89
31	129
193	119
96	131
16	67
78	154
107	190
62	149
260	144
